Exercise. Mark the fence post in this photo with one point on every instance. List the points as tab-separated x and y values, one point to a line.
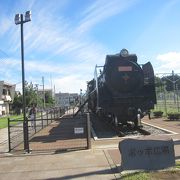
35	123
9	138
54	113
60	112
51	115
42	118
26	135
164	92
88	131
47	116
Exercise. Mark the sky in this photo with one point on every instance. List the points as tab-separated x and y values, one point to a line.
66	38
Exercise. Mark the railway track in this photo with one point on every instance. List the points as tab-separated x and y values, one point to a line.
104	129
129	130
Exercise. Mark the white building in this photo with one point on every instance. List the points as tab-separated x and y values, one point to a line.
7	92
66	99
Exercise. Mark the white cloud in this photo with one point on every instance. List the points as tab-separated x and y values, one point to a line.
5	25
168	62
57	36
70	84
10	62
169	57
101	10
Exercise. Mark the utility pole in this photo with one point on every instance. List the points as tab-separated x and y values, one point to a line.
43	93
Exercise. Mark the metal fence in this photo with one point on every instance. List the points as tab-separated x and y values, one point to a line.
17	127
66	133
50	132
167	100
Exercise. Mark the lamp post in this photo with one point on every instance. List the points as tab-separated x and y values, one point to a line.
20	20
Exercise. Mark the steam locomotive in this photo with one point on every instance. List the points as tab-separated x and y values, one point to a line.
124	90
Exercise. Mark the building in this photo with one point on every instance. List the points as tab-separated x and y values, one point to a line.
66	99
41	92
7	92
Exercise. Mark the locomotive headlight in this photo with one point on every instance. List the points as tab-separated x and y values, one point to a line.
124	53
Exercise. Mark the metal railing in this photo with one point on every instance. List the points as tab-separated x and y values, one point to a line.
16	127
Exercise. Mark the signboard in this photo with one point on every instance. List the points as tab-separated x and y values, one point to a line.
149	153
79	130
125	68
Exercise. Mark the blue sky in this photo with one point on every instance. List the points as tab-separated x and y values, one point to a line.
67	38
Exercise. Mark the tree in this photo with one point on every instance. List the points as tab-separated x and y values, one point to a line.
158	84
30	94
17	104
172	82
32	98
48	99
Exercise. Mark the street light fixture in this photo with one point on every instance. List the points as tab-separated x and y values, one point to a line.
20	20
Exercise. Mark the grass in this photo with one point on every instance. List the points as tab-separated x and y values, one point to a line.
136	176
170	174
170	106
178	164
4	120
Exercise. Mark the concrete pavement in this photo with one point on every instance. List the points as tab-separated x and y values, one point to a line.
84	164
3	140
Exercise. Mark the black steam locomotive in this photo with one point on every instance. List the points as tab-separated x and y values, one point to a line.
124	90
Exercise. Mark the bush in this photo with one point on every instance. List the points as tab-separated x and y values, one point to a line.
157	113
173	116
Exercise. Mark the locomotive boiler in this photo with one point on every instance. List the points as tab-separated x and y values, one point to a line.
124	90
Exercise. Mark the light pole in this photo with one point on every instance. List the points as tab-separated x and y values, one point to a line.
20	20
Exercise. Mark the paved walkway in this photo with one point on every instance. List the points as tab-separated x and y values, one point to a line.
86	164
3	140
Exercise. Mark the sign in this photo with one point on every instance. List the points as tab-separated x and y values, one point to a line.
79	130
148	153
125	68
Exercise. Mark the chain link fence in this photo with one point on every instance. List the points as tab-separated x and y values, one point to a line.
167	92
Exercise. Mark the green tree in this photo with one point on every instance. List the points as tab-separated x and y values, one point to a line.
31	95
49	99
17	104
31	98
169	82
158	84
